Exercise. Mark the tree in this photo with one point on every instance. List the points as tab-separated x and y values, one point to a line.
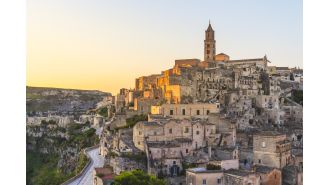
137	177
264	78
291	77
103	111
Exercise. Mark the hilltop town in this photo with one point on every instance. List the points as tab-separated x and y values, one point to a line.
211	121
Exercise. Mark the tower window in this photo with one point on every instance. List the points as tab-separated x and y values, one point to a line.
219	180
197	112
170	131
208	51
183	111
171	112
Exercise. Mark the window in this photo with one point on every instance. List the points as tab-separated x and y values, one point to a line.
186	129
204	181
140	133
197	132
174	162
187	151
139	143
207	112
155	133
263	144
219	180
171	112
170	131
183	111
197	112
259	161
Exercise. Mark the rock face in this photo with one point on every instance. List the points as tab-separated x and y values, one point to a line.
63	144
39	99
52	141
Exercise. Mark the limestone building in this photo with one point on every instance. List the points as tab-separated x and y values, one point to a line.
181	111
202	176
199	132
268	175
271	148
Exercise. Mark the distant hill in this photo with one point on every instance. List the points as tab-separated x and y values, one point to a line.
41	99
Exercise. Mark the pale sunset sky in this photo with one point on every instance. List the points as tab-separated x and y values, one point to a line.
104	44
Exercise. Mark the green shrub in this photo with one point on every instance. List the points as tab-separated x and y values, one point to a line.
137	177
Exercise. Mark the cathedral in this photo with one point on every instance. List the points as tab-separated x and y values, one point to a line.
195	80
211	59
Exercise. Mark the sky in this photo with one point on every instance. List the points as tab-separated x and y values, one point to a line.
105	44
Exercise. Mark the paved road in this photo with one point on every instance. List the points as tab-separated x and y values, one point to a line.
97	161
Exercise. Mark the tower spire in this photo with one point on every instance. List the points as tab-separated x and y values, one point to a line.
209	43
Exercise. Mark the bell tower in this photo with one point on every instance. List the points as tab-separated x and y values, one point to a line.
209	44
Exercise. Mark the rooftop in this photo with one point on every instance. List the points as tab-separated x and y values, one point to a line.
247	60
203	170
269	133
150	123
241	173
282	68
263	169
104	173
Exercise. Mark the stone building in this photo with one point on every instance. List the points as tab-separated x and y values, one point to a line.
240	177
202	176
197	176
167	142
268	175
259	62
143	105
146	82
283	71
201	133
292	175
103	176
181	111
267	101
272	149
226	128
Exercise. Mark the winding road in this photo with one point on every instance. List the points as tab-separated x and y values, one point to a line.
87	177
97	161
